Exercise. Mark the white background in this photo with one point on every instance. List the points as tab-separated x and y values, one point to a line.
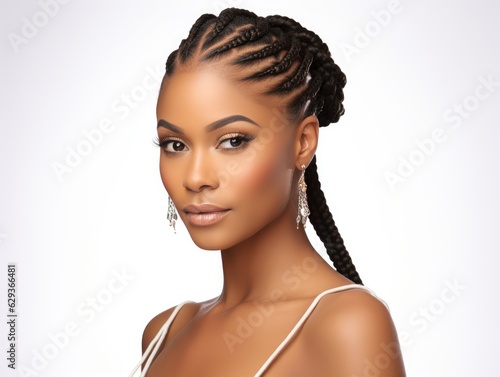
71	233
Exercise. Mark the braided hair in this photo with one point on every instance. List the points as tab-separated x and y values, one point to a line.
294	63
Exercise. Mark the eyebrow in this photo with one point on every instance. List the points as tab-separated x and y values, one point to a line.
210	127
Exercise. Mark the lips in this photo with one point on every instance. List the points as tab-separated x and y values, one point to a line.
204	214
202	208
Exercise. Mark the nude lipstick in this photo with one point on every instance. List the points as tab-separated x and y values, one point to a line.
204	214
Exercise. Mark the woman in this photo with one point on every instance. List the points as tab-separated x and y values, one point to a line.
238	116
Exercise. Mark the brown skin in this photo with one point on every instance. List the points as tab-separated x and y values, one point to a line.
266	260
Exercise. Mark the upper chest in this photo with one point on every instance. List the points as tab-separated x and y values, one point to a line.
238	344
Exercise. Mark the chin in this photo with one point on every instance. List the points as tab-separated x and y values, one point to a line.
211	244
227	233
217	238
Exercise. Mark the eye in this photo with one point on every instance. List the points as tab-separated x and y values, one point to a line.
171	145
234	141
174	146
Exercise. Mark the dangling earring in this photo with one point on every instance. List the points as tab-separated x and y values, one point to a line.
171	214
303	208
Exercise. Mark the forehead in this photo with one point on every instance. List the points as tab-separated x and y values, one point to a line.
205	95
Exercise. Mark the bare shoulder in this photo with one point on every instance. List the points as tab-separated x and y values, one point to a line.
186	313
353	334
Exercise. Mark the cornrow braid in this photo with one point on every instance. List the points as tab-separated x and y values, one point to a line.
264	53
224	19
283	65
333	79
298	78
292	62
247	35
187	45
194	35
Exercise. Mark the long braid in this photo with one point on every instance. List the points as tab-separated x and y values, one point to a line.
322	220
293	62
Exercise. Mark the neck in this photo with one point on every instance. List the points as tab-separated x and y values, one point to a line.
276	261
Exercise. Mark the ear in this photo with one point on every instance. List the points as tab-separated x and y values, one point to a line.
306	140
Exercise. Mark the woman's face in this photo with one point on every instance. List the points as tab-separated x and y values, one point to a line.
227	157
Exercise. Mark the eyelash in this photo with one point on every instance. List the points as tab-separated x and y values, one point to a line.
245	139
163	143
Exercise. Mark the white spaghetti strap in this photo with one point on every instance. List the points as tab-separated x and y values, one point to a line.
156	342
304	318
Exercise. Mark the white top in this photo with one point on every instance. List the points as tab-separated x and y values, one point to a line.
154	346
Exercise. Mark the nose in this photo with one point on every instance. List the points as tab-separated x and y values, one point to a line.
200	173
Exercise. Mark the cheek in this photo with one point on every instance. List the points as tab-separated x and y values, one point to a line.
163	174
167	175
267	177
